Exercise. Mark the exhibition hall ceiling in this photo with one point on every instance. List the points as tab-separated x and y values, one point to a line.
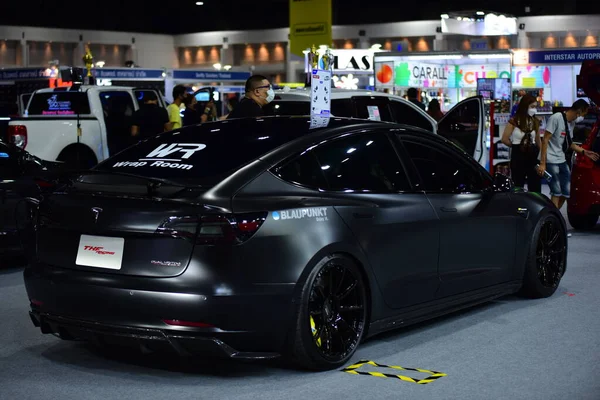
185	16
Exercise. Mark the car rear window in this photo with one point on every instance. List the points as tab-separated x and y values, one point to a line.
287	108
203	154
59	103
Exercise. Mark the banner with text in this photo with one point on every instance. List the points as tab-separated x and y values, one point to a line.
310	23
419	75
576	56
465	76
531	77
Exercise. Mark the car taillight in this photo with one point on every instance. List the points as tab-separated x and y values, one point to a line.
213	229
17	135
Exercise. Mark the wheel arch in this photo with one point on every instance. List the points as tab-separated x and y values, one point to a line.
71	149
345	249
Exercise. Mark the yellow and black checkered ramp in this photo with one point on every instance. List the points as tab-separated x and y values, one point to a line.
433	375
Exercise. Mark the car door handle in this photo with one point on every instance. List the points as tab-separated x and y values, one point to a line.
362	216
446	209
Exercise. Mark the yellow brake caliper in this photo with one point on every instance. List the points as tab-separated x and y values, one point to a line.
313	328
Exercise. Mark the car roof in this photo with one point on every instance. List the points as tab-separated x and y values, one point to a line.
304	94
300	124
83	88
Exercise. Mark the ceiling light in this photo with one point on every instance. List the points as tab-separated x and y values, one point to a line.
480	13
445	16
199	3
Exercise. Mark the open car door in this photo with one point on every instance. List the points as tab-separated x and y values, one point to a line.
464	125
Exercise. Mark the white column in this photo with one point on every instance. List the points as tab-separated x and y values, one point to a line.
439	43
24	53
364	43
134	53
78	54
227	55
290	65
522	40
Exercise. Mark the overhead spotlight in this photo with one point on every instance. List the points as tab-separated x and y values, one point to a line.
376	47
199	3
480	13
217	66
445	16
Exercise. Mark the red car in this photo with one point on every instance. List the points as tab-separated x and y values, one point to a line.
583	208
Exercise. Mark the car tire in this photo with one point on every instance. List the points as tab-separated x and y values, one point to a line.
547	259
330	316
583	222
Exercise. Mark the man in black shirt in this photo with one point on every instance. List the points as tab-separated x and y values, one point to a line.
258	94
150	119
413	97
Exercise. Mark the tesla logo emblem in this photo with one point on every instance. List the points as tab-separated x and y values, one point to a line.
96	211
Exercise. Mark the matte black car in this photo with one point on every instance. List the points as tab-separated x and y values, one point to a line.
254	238
21	176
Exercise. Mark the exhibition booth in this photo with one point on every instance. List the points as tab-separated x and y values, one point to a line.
351	68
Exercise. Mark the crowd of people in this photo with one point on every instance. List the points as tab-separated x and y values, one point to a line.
152	119
534	156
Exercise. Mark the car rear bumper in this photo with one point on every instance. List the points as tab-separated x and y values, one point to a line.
76	305
147	340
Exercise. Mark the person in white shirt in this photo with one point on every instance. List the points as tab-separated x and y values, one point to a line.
522	135
556	143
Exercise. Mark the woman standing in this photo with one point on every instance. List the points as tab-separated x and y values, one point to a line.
523	136
434	110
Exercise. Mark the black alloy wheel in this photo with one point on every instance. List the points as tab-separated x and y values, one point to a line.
331	314
550	254
336	311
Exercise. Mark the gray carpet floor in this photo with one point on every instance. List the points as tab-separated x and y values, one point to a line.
512	348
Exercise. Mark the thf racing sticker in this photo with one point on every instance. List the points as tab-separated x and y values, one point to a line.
318	213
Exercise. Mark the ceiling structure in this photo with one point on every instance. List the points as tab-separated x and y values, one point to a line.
184	16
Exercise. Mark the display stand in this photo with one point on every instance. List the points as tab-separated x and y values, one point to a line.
501	160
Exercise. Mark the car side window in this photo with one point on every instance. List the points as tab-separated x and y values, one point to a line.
362	163
304	170
287	108
405	114
441	171
374	108
343	108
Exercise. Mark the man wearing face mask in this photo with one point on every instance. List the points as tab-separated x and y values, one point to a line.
258	94
555	145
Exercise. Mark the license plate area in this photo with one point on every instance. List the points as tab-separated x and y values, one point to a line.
100	252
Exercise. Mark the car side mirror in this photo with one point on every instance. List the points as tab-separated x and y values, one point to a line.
503	183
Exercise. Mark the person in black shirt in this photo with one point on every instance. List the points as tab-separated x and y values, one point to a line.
190	114
258	94
150	119
413	97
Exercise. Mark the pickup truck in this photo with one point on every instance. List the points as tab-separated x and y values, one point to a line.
79	125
